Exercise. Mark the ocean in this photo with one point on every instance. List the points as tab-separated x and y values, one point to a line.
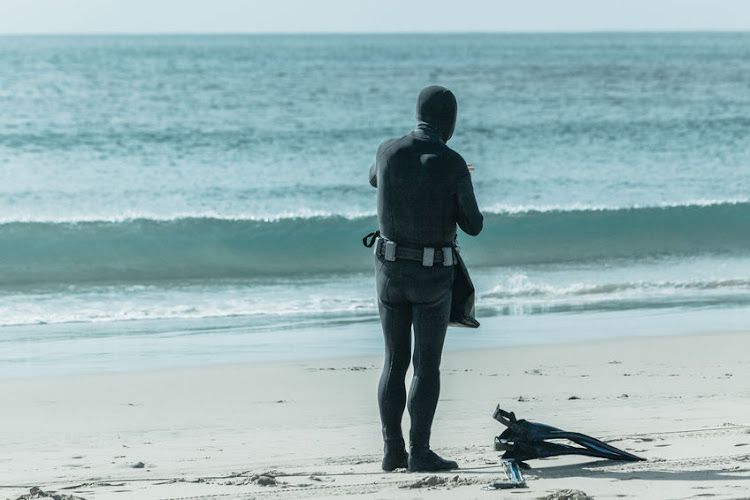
174	200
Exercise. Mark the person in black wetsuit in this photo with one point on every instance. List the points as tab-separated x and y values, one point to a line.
424	190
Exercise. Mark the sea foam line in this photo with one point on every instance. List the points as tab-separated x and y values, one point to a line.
308	213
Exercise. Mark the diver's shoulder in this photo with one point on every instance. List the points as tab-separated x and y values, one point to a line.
396	144
388	144
453	157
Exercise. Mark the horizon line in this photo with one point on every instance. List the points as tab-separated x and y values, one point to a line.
376	33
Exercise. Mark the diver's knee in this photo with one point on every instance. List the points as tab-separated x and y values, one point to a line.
427	371
397	365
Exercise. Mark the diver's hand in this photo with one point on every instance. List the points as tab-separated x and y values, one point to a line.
471	169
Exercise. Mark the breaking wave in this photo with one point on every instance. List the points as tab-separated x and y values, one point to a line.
137	250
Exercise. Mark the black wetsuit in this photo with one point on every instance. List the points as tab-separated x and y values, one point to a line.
424	190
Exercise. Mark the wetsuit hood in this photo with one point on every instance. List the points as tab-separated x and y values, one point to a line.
437	107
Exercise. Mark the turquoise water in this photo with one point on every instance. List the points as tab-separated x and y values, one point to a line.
190	182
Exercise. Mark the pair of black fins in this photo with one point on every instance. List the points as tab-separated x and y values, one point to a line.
524	440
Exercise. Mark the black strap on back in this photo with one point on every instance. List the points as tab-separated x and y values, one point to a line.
372	237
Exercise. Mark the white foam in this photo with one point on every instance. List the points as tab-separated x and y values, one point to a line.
503	209
127	216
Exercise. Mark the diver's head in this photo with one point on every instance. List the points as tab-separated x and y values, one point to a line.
437	106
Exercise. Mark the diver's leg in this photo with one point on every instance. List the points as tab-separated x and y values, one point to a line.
396	319
430	325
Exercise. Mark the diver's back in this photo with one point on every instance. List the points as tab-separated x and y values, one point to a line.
416	190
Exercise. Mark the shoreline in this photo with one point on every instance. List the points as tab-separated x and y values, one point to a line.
679	401
164	344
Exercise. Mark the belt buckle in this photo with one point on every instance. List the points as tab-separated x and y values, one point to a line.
390	250
428	256
447	256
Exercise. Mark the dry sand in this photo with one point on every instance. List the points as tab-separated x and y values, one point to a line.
311	429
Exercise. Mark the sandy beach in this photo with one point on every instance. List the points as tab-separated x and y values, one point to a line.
311	429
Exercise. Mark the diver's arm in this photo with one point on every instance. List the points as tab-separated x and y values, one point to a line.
470	219
374	175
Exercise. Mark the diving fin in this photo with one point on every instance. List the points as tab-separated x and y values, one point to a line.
524	440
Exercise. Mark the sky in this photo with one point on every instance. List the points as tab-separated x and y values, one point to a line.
369	16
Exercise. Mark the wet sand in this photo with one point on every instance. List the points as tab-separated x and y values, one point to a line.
311	429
